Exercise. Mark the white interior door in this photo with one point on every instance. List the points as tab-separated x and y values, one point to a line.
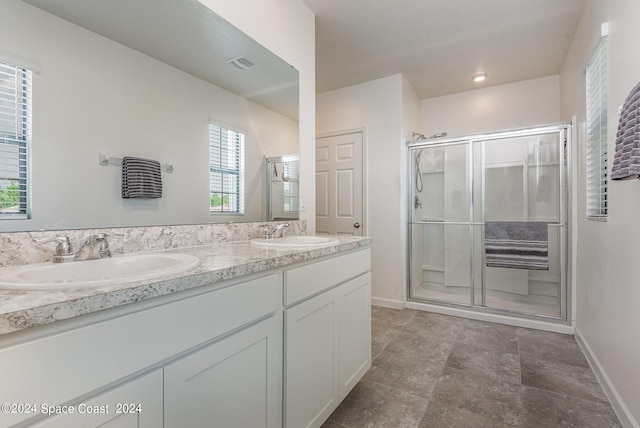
339	185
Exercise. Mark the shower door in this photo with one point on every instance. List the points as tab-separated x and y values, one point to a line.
460	185
441	223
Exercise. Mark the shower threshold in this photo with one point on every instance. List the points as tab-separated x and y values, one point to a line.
545	306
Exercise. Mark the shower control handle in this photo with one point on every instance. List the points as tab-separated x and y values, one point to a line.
356	225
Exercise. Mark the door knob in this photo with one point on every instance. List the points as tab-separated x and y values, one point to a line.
356	225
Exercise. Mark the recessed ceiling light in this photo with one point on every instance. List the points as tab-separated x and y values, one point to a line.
480	77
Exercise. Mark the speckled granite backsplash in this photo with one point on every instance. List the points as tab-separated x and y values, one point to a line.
18	248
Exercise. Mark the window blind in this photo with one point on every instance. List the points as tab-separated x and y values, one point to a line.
226	170
597	129
15	137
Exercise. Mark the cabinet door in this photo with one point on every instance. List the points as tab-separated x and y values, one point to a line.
311	361
136	404
229	384
355	332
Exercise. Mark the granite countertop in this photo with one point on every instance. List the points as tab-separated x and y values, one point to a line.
24	309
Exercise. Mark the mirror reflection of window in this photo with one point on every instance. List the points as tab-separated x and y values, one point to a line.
226	170
15	136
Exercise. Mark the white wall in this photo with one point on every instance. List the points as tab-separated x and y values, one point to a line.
410	124
608	272
286	28
94	95
410	111
376	106
495	108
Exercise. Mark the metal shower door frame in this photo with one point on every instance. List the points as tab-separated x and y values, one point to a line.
564	134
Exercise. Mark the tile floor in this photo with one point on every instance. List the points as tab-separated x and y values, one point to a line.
432	370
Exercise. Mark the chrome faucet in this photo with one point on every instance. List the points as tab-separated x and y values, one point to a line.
91	242
64	253
268	233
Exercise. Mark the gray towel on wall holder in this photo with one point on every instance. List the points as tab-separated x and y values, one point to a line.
141	178
626	160
516	245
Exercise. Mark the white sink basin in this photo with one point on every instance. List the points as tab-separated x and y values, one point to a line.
95	273
295	241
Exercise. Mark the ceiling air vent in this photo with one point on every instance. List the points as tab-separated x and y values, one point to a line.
241	62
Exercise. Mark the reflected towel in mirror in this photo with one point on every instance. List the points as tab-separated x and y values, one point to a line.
141	178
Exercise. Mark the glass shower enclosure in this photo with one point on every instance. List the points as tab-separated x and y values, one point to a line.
283	192
488	224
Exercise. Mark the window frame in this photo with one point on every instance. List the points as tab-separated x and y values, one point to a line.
597	174
228	164
15	136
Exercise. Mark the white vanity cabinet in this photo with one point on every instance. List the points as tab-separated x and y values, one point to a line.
327	335
311	361
355	332
280	347
229	384
77	362
136	404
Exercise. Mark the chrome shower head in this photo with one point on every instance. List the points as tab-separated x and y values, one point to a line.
442	134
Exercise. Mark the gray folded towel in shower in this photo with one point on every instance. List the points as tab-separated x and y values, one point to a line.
141	178
516	245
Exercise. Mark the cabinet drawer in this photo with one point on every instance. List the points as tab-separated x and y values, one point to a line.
305	281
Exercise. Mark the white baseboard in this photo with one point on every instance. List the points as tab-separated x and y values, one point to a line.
622	411
387	303
489	317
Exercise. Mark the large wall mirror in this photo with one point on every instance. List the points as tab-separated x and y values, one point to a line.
142	78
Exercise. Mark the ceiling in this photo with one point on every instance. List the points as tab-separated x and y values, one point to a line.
189	36
437	44
440	44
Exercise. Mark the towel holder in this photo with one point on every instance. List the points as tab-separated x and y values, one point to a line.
104	160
